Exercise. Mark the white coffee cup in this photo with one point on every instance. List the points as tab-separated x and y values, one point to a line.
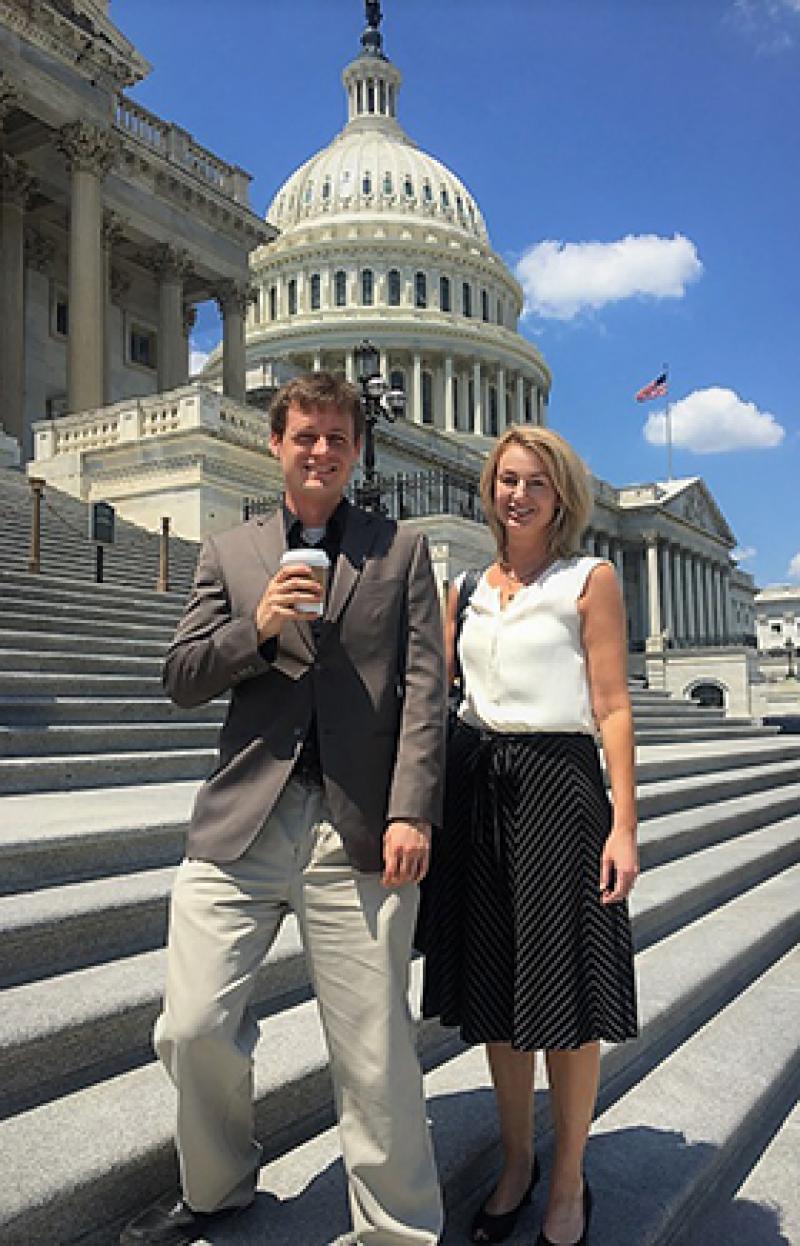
318	563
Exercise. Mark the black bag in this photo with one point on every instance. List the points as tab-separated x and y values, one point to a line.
466	588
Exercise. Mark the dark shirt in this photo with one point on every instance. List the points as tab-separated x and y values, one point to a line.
308	765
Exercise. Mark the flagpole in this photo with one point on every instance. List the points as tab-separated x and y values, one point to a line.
668	427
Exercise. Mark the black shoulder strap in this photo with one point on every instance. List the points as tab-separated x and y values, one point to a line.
469	582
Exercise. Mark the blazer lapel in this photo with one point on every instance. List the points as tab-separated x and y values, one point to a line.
359	533
269	538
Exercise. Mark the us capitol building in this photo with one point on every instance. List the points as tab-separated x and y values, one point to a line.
115	214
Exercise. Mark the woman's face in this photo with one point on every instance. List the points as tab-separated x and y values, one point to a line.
524	496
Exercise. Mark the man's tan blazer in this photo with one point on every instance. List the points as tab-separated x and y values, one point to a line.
375	676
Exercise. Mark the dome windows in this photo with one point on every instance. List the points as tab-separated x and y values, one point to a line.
393	287
382	97
427	191
466	298
316	292
420	290
326	189
485	305
292	296
397	380
366	183
408	186
273	302
444	197
500	312
388	185
308	193
427	398
444	294
367	287
340	288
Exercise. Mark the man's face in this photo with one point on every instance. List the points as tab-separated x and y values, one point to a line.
317	453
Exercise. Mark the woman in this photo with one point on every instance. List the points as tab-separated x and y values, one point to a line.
526	928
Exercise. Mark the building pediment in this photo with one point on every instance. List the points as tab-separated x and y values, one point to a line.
694	504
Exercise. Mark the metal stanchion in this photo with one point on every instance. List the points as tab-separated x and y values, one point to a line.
35	556
162	586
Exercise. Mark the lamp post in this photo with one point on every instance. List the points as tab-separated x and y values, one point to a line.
377	399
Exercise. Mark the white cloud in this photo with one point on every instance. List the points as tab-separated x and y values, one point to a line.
562	279
768	24
713	420
746	554
197	360
794	568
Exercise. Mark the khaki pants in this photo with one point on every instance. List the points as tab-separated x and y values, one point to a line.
357	938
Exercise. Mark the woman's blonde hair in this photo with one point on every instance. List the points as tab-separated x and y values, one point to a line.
567	474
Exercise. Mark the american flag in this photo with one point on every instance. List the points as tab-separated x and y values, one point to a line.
654	389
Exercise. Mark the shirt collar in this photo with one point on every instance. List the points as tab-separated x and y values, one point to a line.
334	528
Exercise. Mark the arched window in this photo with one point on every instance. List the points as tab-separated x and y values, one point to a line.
292	293
420	290
316	292
393	284
340	288
366	183
387	184
444	294
466	298
427	398
367	287
485	304
408	187
397	380
273	302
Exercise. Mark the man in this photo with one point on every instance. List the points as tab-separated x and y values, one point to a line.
328	783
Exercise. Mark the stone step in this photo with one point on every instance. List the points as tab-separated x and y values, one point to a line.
24	587
18	683
44	711
71	773
60	662
82	740
63	928
646	735
667	837
104	642
764	1208
62	837
114	1152
669	795
676	760
79	621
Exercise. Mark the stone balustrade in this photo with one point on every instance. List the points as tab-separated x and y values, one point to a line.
179	147
191	407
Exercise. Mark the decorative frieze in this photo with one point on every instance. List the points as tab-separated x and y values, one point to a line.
40	252
16	181
169	262
88	148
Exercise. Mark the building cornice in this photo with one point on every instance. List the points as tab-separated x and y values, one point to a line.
84	38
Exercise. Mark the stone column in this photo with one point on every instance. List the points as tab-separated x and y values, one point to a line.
232	299
90	152
678	595
477	385
112	235
349	367
317	361
691	610
619	561
697	570
189	321
171	264
383	364
15	186
653	594
666	585
708	590
502	405
416	388
718	601
726	605
449	420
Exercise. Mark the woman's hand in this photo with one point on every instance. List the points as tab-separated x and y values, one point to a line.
619	866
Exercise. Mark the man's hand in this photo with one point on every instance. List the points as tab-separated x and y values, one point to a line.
290	587
406	852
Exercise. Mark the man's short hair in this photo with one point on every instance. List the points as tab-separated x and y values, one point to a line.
313	390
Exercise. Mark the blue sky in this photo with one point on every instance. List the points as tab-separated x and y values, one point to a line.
637	165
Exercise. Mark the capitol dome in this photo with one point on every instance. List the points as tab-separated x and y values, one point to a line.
377	239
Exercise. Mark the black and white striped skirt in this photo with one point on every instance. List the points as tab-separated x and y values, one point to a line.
518	946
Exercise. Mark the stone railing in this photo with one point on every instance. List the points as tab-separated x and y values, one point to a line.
143	419
178	147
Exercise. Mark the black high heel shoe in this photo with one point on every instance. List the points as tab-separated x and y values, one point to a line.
544	1240
487	1227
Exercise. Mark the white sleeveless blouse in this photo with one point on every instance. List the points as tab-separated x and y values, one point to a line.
523	666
